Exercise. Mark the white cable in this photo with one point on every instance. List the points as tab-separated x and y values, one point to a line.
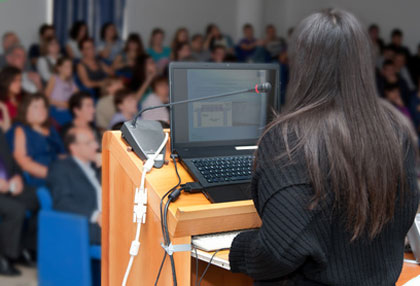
140	202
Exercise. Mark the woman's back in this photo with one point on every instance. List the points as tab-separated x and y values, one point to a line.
335	182
314	247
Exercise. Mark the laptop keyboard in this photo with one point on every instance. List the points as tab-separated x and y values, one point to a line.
225	169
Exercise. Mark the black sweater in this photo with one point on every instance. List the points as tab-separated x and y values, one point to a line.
296	246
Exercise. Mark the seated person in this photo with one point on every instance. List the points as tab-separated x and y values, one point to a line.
159	53
16	57
393	95
182	53
110	45
389	76
15	200
46	32
105	108
78	32
214	37
247	47
59	89
9	39
75	183
46	64
35	144
197	48
82	108
90	70
10	94
126	104
218	54
273	44
159	96
125	61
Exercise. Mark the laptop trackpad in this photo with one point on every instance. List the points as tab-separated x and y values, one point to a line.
228	193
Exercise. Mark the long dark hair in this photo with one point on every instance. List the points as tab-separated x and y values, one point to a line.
352	140
135	38
139	72
7	76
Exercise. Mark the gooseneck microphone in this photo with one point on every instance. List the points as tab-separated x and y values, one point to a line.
145	138
259	88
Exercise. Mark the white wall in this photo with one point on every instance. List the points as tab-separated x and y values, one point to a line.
388	14
24	17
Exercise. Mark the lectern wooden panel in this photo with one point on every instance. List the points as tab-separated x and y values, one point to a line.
191	214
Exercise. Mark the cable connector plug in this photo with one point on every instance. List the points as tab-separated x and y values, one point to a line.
134	249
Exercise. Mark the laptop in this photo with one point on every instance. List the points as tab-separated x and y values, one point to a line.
215	139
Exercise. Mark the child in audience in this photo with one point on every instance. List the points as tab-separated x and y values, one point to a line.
105	108
197	49
159	96
35	144
78	33
132	50
110	45
159	53
59	89
46	64
10	91
126	104
181	36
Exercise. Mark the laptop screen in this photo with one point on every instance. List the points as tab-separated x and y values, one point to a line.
236	119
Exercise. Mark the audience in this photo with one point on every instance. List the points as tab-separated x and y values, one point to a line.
35	144
91	71
78	33
82	108
59	89
247	46
272	43
133	49
105	108
197	49
16	241
159	53
391	77
46	32
126	105
218	54
16	57
182	52
159	96
144	73
10	91
46	64
378	43
402	70
110	45
215	38
181	36
9	39
75	182
397	43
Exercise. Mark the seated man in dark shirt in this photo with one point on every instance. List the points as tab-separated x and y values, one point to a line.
15	200
74	182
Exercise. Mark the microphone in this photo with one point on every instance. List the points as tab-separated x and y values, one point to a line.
147	136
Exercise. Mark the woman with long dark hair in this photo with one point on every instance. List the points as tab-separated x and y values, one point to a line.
334	180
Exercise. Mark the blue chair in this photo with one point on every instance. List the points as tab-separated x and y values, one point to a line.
64	253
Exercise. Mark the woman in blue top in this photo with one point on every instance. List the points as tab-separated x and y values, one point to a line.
160	54
35	144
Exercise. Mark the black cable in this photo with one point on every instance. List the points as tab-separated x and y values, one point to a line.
162	216
208	266
168	240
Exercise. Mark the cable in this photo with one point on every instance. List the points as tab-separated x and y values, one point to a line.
162	215
208	266
196	266
140	204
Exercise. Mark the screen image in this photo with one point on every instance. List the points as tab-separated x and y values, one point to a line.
241	116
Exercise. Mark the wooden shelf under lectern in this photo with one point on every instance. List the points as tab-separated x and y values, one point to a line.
191	214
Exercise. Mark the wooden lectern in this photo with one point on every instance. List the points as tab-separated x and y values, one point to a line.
191	214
